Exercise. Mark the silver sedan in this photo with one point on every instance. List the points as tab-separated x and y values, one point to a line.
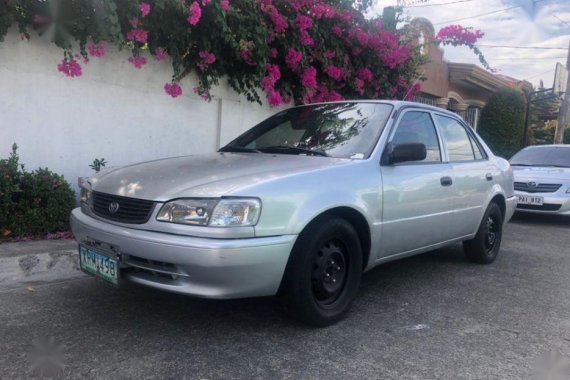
542	179
300	205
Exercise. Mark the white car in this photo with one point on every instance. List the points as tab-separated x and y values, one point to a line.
542	179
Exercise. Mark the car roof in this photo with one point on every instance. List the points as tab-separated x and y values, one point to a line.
398	104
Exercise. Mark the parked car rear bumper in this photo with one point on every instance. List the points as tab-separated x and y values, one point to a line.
204	267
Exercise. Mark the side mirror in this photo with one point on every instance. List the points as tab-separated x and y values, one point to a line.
403	153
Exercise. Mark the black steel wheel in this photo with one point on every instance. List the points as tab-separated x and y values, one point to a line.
485	246
322	276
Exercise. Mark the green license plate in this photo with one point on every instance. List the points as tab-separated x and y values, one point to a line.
98	264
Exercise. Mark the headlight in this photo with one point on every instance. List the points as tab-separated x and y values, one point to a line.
213	212
187	211
236	212
85	195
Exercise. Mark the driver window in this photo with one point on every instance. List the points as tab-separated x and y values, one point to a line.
418	127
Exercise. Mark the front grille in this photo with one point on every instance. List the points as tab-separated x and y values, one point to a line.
539	188
544	207
130	210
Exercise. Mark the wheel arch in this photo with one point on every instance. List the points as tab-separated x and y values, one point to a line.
499	199
358	221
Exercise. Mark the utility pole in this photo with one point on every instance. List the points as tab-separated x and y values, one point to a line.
563	113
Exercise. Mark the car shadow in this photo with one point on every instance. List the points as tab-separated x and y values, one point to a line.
179	313
541	219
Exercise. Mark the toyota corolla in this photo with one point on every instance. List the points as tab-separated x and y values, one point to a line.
300	205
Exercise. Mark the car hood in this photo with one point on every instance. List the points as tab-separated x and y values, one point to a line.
209	175
541	173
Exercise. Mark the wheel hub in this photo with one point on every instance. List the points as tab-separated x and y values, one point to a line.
491	235
329	272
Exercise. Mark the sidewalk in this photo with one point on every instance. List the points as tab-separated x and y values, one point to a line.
30	263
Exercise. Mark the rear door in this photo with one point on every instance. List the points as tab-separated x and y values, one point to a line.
417	196
472	171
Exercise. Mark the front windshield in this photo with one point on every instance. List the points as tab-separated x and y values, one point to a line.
543	156
344	130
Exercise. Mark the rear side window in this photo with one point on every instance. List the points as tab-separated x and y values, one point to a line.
476	149
418	127
456	139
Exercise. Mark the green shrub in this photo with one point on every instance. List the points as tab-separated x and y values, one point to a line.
33	203
502	122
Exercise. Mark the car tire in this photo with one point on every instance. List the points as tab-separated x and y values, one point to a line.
323	273
485	246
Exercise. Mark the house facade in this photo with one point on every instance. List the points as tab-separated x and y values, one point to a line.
460	87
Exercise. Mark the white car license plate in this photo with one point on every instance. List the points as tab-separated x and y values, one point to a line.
530	200
98	264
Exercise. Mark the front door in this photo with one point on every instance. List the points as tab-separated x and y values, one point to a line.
418	196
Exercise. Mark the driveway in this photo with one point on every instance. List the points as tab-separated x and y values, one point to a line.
435	316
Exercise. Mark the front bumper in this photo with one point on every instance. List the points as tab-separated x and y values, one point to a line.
203	267
553	203
510	206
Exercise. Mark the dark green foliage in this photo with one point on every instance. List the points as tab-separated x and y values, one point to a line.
502	122
32	203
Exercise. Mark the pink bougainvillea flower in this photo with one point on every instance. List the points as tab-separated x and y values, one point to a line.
173	89
225	5
322	11
293	58
303	22
195	14
160	54
247	56
138	35
306	39
279	22
330	54
145	9
97	50
365	74
334	96
206	2
137	61
206	59
337	31
273	53
274	98
458	35
70	68
309	78
334	72
273	75
204	94
359	85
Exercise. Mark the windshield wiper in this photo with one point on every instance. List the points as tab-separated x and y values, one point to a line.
240	149
542	165
292	150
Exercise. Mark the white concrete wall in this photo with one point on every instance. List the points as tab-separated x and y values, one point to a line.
113	111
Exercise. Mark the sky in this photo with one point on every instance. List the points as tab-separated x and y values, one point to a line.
547	26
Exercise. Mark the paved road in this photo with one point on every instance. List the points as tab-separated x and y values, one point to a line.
430	317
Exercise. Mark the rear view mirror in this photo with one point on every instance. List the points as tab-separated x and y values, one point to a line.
403	153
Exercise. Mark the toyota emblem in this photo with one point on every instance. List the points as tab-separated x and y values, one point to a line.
532	184
113	207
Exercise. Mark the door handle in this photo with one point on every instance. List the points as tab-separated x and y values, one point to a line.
489	176
446	181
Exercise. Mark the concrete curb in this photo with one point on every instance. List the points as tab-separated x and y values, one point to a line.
29	263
